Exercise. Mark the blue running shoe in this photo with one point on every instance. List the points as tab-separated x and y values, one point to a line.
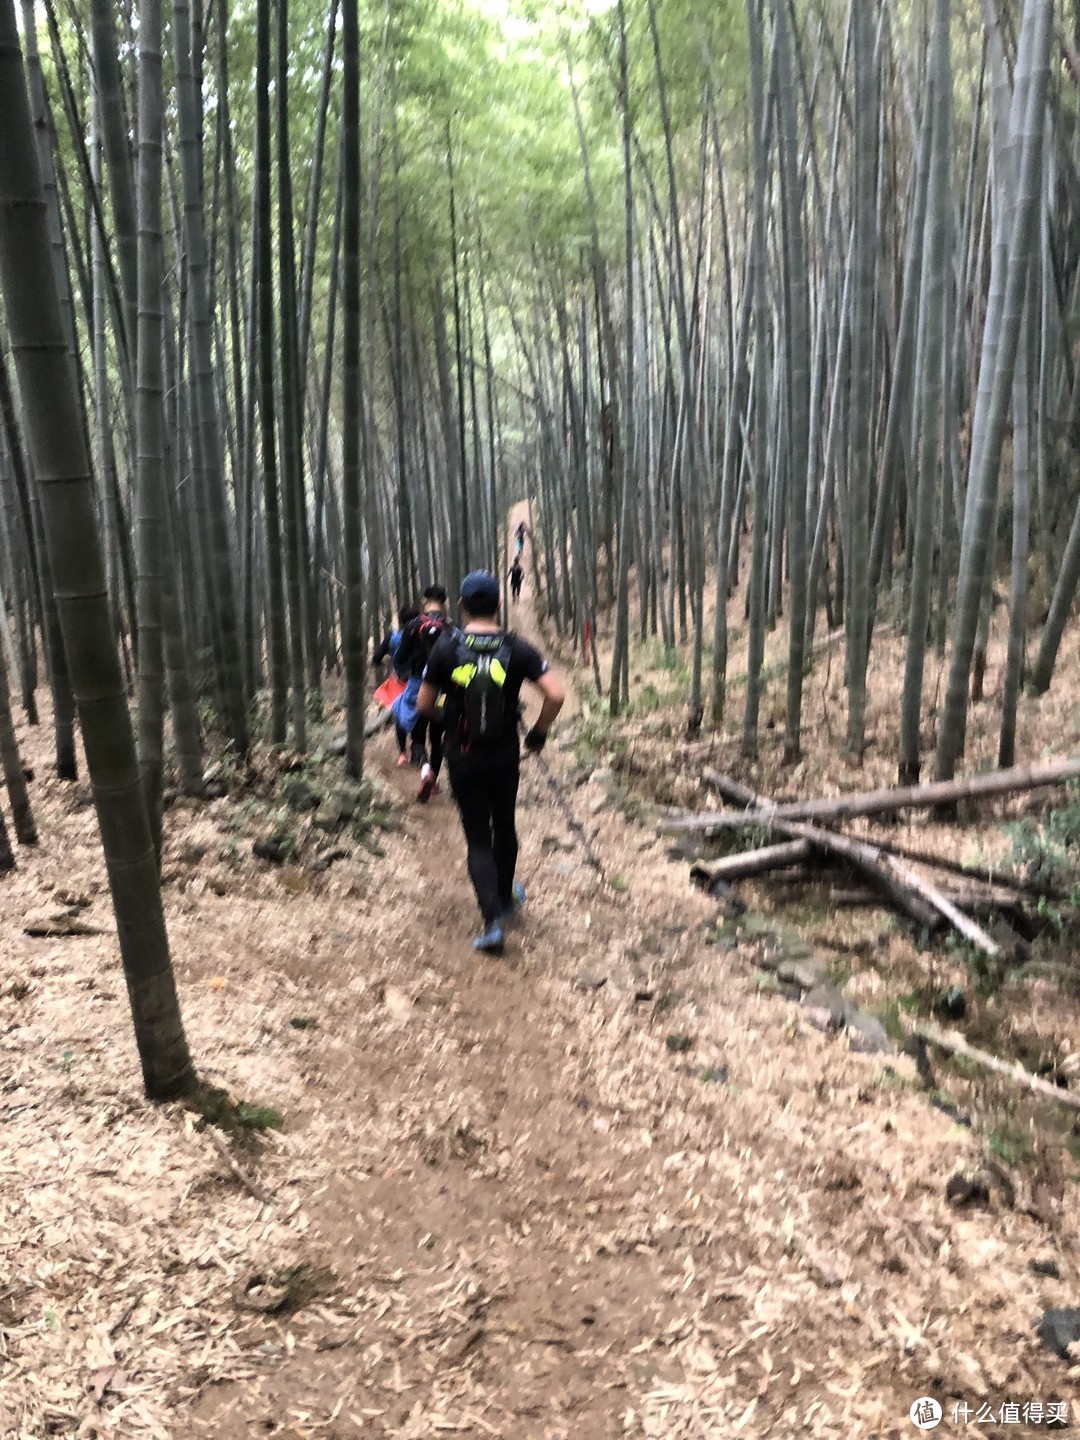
491	941
513	910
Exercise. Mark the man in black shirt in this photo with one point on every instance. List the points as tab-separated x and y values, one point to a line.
481	669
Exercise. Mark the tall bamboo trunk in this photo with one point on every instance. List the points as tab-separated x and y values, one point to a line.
352	499
797	375
207	439
11	761
760	398
150	419
859	468
56	437
935	342
986	447
56	660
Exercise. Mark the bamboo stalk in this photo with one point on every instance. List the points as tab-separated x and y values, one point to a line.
753	862
885	802
955	1044
956	917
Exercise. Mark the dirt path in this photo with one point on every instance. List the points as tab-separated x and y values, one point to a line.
605	1186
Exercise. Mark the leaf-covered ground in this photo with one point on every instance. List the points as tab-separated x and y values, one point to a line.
606	1186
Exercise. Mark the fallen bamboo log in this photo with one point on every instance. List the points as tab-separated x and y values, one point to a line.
967	927
915	897
376	720
752	862
729	789
738	794
968	899
888	802
995	880
909	893
953	1042
982	899
864	858
849	899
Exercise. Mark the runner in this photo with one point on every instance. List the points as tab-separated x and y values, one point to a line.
392	638
481	669
519	539
387	651
516	575
417	642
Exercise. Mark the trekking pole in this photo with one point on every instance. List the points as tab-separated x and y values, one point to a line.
573	823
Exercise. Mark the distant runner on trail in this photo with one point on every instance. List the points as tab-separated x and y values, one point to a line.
516	575
387	651
417	642
519	539
481	668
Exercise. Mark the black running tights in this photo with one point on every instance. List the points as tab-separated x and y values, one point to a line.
486	797
424	730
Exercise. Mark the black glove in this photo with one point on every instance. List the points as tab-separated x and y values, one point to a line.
535	741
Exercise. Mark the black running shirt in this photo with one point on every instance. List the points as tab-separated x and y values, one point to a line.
525	663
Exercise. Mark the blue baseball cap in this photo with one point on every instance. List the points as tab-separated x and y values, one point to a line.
480	585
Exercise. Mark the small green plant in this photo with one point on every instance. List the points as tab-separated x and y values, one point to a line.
889	1015
594	734
383	817
655	655
235	1117
1010	1144
841	971
1049	853
285	838
618	883
258	1117
988	972
647	700
207	711
258	716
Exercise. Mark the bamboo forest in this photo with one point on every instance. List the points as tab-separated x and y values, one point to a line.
539	673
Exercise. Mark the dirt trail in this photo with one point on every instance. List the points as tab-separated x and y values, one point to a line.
605	1186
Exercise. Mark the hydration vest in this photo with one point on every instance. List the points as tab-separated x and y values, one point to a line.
482	663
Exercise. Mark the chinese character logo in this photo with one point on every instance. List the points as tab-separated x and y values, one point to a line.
925	1413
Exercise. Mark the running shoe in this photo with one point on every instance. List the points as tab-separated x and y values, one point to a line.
428	784
513	910
402	759
491	941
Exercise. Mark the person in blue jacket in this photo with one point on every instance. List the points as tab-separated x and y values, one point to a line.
388	651
417	639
